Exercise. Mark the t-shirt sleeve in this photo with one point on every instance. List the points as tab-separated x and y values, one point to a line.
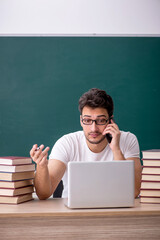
61	150
130	146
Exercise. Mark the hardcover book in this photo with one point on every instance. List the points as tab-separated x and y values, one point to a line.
16	191
150	200
151	162
16	184
151	154
150	177
16	199
13	160
151	170
5	176
149	193
150	185
17	168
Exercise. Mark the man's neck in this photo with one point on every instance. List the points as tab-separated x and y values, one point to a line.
97	148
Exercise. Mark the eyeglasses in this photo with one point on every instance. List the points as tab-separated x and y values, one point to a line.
89	121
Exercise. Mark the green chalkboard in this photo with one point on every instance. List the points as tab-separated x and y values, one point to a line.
42	78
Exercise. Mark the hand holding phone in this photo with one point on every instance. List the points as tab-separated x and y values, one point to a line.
112	134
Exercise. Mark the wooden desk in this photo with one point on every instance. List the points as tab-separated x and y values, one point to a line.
50	219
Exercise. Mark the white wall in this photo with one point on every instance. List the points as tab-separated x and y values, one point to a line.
58	17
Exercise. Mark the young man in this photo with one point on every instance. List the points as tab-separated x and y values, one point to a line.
91	144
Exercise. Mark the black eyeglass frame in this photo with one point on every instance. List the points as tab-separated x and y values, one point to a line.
95	121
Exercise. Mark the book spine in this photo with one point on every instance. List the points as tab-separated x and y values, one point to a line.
150	181
151	167
149	174
150	189
150	159
150	197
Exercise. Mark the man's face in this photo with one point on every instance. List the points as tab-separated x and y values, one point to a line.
93	132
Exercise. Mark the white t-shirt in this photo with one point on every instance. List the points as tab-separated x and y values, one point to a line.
73	147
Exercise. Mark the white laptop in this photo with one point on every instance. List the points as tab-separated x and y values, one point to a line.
100	184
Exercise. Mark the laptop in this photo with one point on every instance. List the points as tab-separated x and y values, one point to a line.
100	184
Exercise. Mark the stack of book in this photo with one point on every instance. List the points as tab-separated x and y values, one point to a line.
150	184
16	179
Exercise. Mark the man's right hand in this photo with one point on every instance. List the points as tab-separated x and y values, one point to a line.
39	156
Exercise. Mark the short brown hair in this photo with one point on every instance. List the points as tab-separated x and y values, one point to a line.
96	98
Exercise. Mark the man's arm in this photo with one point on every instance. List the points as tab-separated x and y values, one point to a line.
137	168
118	155
48	173
138	172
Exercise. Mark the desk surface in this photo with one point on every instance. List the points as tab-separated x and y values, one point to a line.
56	207
51	219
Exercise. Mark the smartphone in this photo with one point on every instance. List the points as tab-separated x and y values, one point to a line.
108	135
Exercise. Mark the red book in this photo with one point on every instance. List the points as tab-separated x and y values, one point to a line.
13	160
16	176
151	170
151	162
150	199
150	184
151	154
149	193
150	177
17	168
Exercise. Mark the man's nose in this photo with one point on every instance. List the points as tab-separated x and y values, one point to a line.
94	126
